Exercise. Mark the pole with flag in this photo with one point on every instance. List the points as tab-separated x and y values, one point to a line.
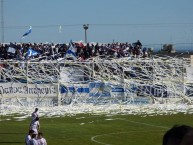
27	33
31	52
71	52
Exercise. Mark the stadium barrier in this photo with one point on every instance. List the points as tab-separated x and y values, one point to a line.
137	81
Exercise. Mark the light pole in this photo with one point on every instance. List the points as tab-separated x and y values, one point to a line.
2	21
85	26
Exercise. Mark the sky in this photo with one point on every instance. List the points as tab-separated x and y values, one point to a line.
59	21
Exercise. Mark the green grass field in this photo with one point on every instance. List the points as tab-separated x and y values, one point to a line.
87	129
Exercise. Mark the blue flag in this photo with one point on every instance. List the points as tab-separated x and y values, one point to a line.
32	52
27	33
71	50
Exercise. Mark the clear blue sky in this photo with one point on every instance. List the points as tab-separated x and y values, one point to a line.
150	21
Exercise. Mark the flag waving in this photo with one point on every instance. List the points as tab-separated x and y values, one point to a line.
71	52
32	52
27	33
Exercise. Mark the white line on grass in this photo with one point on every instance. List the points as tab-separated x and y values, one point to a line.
94	137
147	124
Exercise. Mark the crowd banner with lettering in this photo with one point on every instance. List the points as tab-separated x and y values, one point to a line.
28	90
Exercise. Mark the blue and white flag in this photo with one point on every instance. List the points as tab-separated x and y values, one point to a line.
27	33
71	50
11	50
31	52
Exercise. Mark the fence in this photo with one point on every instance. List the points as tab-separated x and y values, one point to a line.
49	83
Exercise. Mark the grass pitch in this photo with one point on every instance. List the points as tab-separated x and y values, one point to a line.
88	129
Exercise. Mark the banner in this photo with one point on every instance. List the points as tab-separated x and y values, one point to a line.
99	89
30	90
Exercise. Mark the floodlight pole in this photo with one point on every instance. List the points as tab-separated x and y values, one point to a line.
85	26
2	21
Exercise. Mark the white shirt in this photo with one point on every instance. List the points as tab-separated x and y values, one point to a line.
33	142
27	138
42	141
34	115
34	126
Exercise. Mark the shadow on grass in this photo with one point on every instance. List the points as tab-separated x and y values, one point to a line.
11	142
10	133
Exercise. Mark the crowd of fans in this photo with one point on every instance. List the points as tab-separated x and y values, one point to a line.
19	51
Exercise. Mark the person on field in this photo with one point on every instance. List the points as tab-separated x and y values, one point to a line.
28	136
35	125
35	114
33	140
188	138
178	135
41	140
